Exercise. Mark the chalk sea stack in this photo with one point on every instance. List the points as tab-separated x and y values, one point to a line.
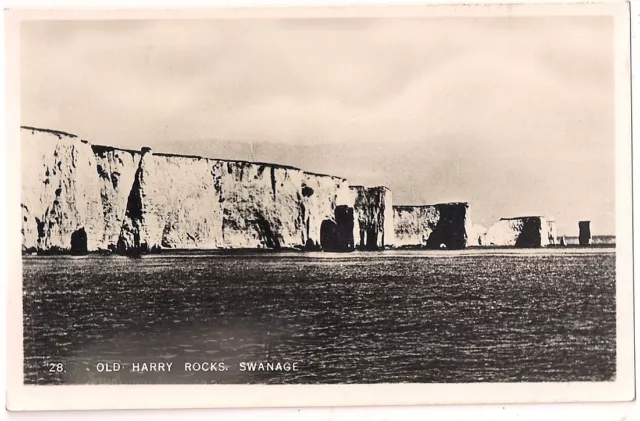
373	211
521	232
432	226
584	237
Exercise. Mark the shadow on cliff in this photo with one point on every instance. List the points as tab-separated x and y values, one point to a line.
79	242
450	229
531	233
267	235
337	236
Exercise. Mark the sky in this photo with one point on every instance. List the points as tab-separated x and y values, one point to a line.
514	115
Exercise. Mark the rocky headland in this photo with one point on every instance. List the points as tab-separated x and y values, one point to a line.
78	197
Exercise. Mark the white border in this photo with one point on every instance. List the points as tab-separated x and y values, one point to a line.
22	397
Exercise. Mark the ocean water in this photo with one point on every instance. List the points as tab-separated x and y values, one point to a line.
393	316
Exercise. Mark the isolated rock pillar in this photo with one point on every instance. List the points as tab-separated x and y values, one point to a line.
585	232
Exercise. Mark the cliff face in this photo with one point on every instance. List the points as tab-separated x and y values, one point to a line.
373	217
526	231
116	171
552	232
321	194
172	203
192	202
443	225
60	192
476	235
101	198
261	205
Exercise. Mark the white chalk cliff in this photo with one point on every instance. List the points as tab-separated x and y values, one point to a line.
78	197
112	199
61	191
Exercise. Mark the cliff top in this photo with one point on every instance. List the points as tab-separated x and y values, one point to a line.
55	132
317	174
240	161
103	148
428	206
236	161
515	218
369	188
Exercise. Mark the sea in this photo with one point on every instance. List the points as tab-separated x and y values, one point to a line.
476	315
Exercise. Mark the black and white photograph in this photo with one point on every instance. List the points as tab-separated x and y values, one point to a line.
433	196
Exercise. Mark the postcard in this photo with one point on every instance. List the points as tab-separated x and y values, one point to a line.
315	206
